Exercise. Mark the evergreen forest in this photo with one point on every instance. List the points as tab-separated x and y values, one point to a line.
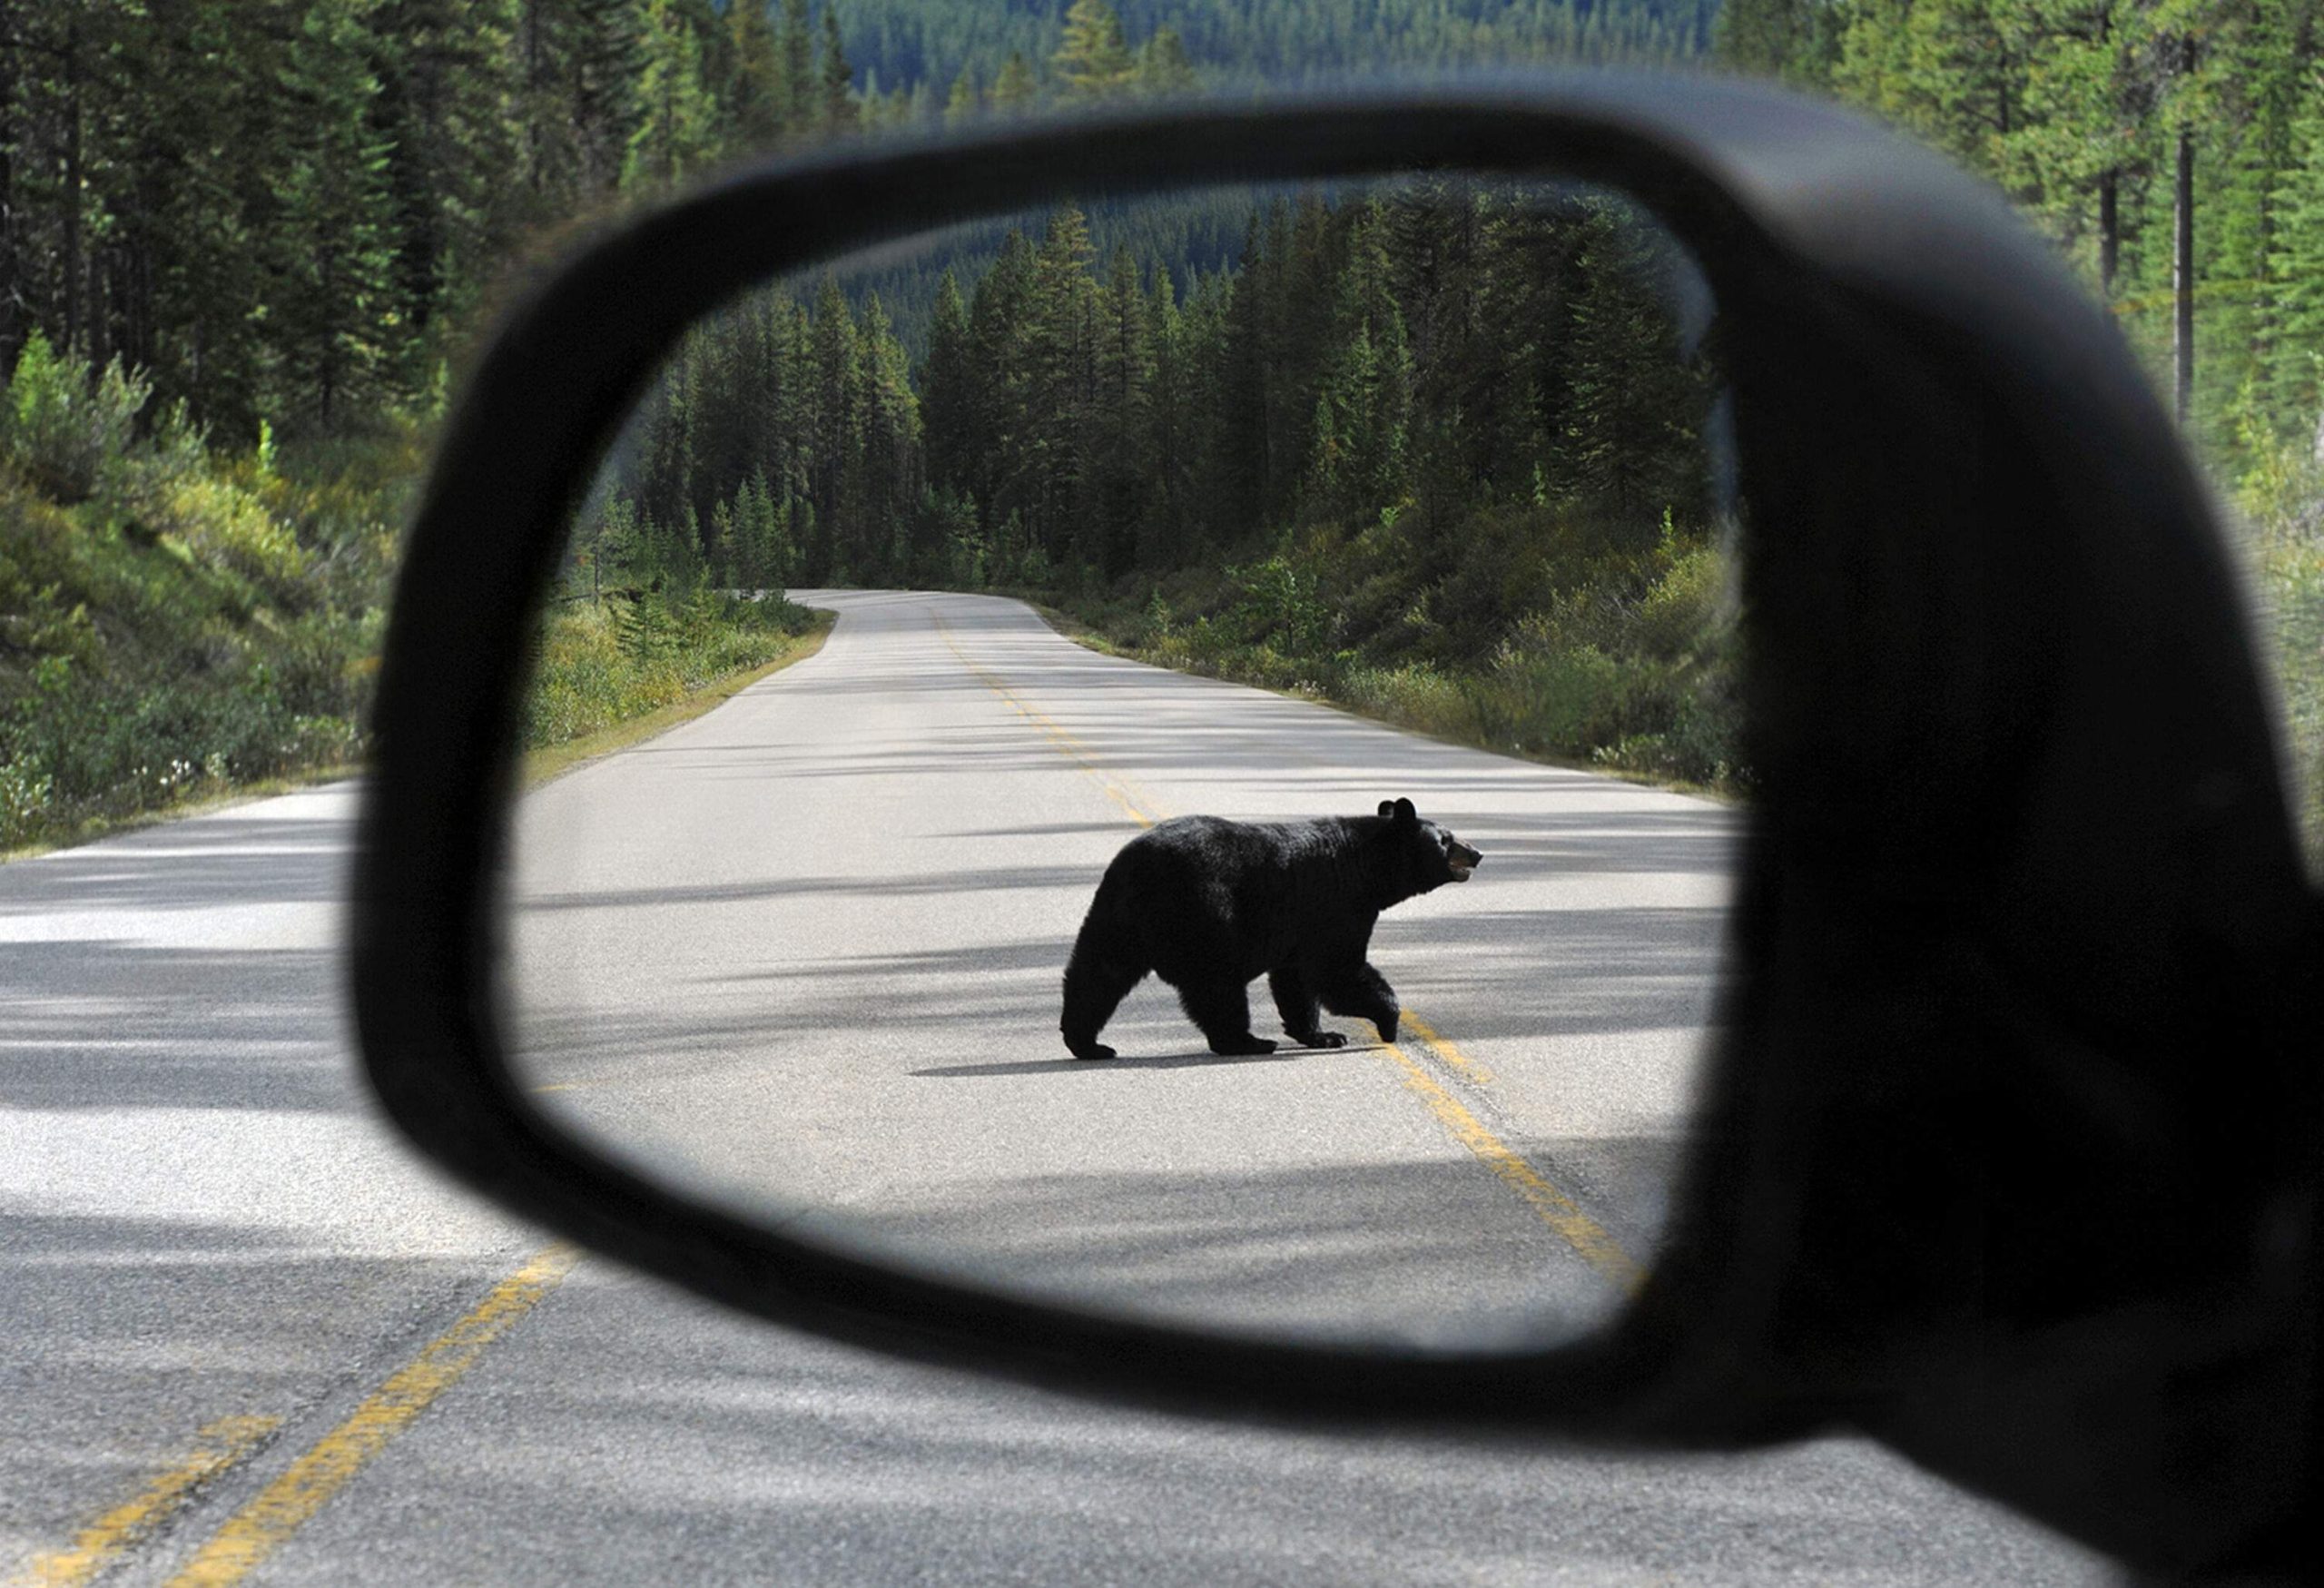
1439	449
244	245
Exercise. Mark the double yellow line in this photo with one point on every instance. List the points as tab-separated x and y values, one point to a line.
252	1534
256	1531
1590	1239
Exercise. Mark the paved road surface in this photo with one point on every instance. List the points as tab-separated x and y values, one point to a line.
803	953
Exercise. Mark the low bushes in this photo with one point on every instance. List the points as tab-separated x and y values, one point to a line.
1542	631
603	662
175	623
136	673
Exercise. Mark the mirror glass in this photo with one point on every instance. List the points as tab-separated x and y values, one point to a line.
1178	586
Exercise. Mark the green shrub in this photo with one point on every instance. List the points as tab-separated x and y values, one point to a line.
62	430
191	625
1280	607
1546	629
24	803
603	663
1564	701
1414	695
1682	611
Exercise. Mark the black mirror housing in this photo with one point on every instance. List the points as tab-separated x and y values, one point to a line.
2010	1151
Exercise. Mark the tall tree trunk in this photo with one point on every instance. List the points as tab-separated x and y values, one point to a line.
2110	229
12	328
72	261
99	341
529	30
2182	275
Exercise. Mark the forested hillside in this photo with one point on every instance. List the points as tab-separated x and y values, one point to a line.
243	246
1436	448
939	42
2175	152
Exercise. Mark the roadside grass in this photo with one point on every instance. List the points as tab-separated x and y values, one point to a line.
197	801
178	625
553	760
182	627
540	766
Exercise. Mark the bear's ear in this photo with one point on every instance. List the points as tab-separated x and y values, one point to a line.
1401	809
1387	807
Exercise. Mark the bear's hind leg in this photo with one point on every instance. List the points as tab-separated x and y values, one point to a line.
1223	1010
1098	978
1364	992
1295	1002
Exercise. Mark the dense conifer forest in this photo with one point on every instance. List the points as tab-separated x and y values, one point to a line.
1415	355
1437	449
244	245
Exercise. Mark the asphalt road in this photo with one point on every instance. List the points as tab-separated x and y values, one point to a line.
803	955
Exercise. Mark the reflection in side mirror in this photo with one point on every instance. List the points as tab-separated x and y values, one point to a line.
1444	452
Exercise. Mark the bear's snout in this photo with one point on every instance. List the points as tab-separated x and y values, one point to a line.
1461	860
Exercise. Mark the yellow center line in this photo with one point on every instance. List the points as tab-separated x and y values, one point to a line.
1594	1243
260	1527
1584	1234
1458	1063
1059	735
223	1444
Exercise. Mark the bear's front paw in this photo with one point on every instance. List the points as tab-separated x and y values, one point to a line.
1091	1051
1243	1046
1387	1025
1320	1039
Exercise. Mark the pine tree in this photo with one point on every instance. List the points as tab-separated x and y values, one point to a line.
1359	452
1172	445
800	104
964	103
889	463
2260	56
449	90
756	94
1947	69
577	105
1162	70
1061	351
840	114
1796	41
1000	333
835	468
1014	91
1093	62
951	395
677	124
1119	465
1635	405
333	325
2295	382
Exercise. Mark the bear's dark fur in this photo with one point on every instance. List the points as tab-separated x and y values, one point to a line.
1207	904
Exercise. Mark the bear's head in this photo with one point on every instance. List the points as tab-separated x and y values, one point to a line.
1429	856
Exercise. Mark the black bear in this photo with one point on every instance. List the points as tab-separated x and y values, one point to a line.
1206	904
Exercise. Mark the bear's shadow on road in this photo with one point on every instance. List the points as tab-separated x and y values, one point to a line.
1184	1061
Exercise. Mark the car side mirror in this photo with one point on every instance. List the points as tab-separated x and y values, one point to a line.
2008	1150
